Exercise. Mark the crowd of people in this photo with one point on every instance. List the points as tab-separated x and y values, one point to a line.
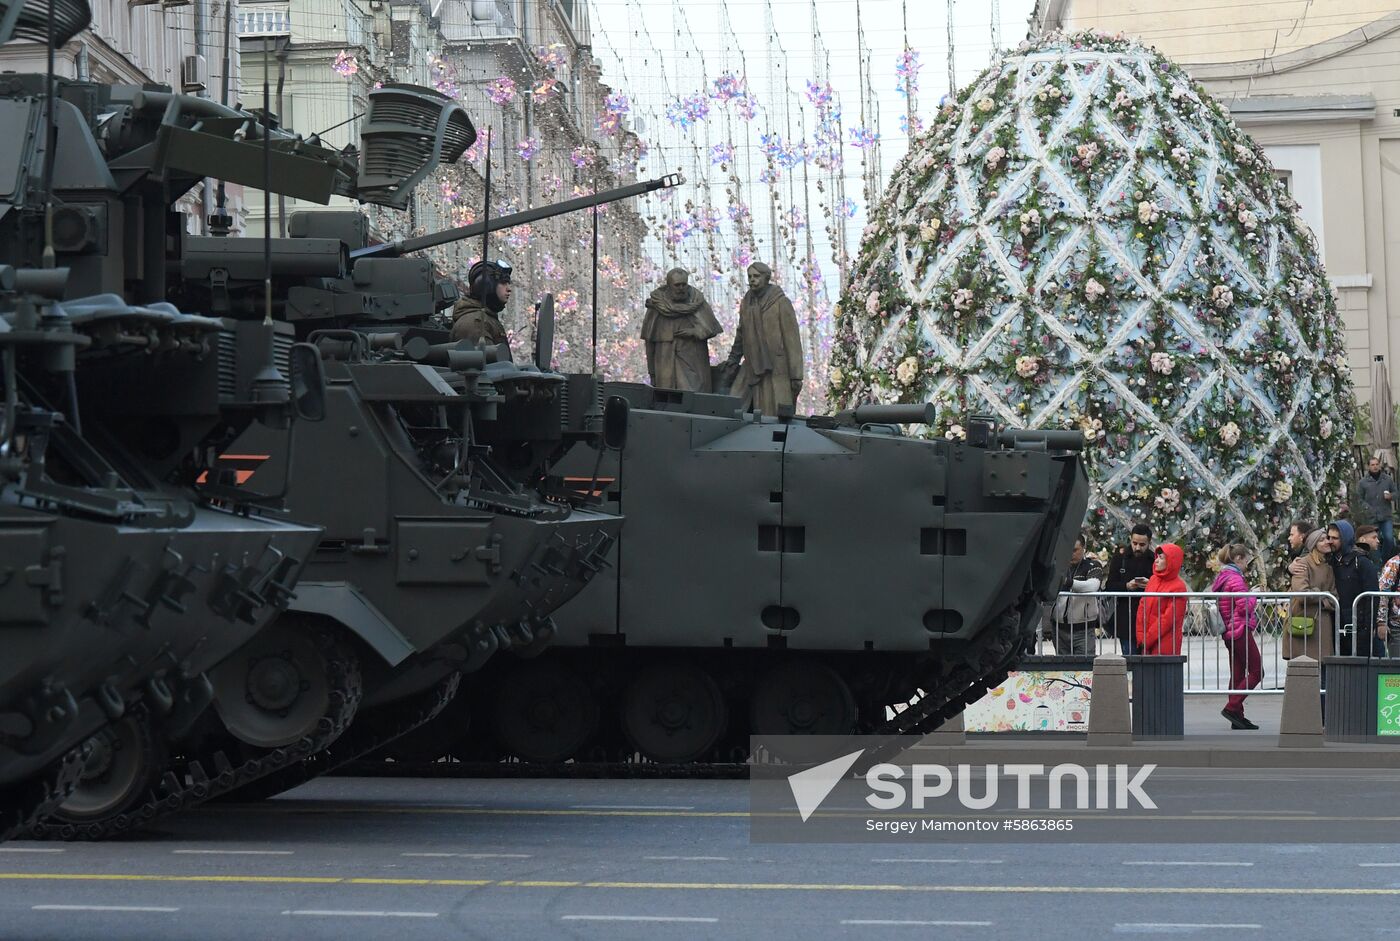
1338	559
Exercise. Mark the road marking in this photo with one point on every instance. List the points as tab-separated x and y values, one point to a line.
667	918
1377	865
711	886
29	849
960	862
931	924
628	807
689	859
232	852
1182	862
621	810
470	855
339	914
1156	926
1302	813
101	908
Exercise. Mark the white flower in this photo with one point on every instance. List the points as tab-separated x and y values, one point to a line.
1027	366
955	433
1324	427
1308	289
1148	211
872	303
1283	490
1244	154
925	161
1029	220
1281	360
1248	219
995	156
928	232
907	370
837	375
962	297
1122	100
1230	434
1221	296
1093	290
1087	153
1162	363
1181	155
1177	92
985	104
1169	499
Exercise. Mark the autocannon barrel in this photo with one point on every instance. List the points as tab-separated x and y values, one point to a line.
887	415
1036	439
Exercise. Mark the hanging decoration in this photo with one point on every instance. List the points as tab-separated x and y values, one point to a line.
345	64
1085	239
527	148
501	90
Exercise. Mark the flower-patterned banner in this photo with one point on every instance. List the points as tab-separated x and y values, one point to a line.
1085	239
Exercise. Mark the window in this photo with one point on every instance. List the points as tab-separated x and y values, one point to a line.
1287	177
264	20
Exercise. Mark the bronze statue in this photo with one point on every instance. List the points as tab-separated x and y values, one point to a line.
766	361
677	330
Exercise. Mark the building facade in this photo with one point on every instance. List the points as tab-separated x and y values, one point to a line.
1318	85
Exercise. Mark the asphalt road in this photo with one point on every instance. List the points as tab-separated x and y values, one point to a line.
422	859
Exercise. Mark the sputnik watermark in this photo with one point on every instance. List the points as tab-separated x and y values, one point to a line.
892	787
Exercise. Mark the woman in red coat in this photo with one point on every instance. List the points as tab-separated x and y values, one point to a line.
1160	620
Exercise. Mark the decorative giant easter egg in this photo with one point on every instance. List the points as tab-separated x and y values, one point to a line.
1085	239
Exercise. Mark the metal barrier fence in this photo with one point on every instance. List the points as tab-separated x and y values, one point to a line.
1225	650
1367	613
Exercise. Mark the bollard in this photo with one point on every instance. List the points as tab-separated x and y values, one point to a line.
952	732
1110	720
1301	726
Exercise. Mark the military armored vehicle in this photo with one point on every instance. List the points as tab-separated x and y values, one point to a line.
784	576
444	546
122	582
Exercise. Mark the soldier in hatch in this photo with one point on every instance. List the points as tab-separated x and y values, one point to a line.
475	317
677	330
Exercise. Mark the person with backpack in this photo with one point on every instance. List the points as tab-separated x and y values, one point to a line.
1355	574
1238	617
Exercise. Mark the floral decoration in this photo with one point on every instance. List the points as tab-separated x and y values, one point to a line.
1084	239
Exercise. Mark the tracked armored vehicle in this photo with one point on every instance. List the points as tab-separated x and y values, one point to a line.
447	538
121	584
783	577
443	543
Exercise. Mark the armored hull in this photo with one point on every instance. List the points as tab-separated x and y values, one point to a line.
786	577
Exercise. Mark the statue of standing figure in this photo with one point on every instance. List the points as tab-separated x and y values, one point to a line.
677	330
766	361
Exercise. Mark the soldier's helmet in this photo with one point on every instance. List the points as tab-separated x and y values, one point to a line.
482	279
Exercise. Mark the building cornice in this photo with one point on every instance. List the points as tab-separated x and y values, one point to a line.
1275	109
1298	58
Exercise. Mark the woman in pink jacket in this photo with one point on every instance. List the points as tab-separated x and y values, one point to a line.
1246	666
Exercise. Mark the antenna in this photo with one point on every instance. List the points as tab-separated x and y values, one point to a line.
50	144
267	183
219	224
486	232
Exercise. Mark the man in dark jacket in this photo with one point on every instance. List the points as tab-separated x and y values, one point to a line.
476	317
1297	533
1128	570
1355	573
1378	494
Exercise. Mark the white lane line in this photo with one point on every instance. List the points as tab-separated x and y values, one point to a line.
101	908
631	807
689	859
233	852
29	849
960	862
329	913
666	918
1156	926
1377	865
892	922
1179	862
469	855
1255	810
